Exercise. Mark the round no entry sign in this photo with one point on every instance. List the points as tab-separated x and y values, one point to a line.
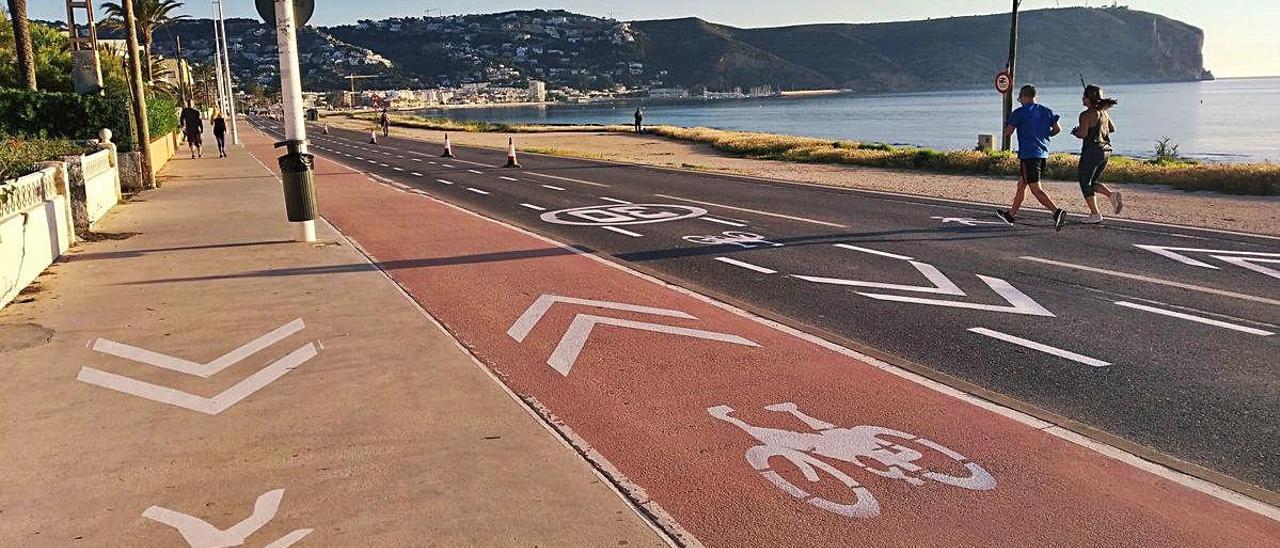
1004	82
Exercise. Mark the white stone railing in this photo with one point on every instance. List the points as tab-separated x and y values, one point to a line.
35	227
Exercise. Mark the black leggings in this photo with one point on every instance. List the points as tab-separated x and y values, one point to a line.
222	140
1092	165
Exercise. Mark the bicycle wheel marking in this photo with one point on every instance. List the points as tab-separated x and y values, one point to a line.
852	445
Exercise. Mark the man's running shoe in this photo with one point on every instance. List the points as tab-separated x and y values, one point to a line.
1117	202
1092	219
1059	219
1004	216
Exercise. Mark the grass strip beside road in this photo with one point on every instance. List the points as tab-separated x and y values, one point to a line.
1259	179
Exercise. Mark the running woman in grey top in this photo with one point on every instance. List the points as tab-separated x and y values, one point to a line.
1095	130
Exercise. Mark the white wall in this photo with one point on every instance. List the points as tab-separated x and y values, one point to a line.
101	184
32	239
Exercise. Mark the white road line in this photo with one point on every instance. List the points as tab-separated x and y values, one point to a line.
416	174
416	159
359	157
444	182
476	171
383	165
874	252
567	179
614	200
1197	319
399	156
623	231
533	207
553	187
477	191
756	211
722	221
505	178
1067	354
1157	281
746	265
450	166
398	168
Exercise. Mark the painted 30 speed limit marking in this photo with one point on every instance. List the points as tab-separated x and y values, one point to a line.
621	215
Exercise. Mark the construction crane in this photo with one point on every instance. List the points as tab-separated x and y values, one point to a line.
353	77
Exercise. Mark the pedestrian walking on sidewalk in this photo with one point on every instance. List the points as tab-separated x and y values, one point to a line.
1035	125
192	129
220	133
1095	130
384	122
639	120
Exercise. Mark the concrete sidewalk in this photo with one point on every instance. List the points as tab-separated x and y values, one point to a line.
169	384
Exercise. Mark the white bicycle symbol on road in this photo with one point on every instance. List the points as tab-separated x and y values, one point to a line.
860	445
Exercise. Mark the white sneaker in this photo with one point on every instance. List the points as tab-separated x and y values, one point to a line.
1092	219
1117	202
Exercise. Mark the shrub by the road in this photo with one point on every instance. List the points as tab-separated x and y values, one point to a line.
18	157
70	116
1257	179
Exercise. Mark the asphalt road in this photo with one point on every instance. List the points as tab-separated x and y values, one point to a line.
1175	350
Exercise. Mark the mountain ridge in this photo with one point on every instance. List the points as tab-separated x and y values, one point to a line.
585	52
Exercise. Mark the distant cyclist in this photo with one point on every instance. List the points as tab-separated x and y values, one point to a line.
1095	130
1035	124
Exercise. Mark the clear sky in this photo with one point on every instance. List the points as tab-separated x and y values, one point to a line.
1240	35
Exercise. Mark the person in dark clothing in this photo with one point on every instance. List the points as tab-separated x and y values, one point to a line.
220	133
1095	130
192	128
384	122
639	121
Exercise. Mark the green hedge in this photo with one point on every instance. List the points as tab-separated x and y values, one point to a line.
18	157
69	116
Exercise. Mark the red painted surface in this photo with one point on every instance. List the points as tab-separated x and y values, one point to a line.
641	400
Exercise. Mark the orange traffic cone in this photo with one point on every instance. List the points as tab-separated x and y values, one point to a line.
448	147
511	153
373	136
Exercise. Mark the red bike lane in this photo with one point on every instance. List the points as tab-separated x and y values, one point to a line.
644	374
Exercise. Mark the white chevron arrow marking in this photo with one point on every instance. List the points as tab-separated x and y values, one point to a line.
539	308
1019	302
207	370
200	534
942	285
210	406
1251	263
185	400
575	338
1177	254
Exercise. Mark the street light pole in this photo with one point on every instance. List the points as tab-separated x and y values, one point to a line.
139	94
231	90
217	66
1005	142
295	165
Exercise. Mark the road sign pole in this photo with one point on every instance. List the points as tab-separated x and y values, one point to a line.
301	200
1005	141
230	113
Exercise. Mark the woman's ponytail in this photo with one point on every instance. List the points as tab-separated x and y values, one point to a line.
1094	94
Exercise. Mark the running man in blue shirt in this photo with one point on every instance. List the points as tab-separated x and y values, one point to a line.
1035	124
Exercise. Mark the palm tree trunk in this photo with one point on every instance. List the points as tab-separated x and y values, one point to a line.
146	56
26	59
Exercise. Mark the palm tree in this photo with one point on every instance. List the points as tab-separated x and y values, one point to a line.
203	78
22	42
151	15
